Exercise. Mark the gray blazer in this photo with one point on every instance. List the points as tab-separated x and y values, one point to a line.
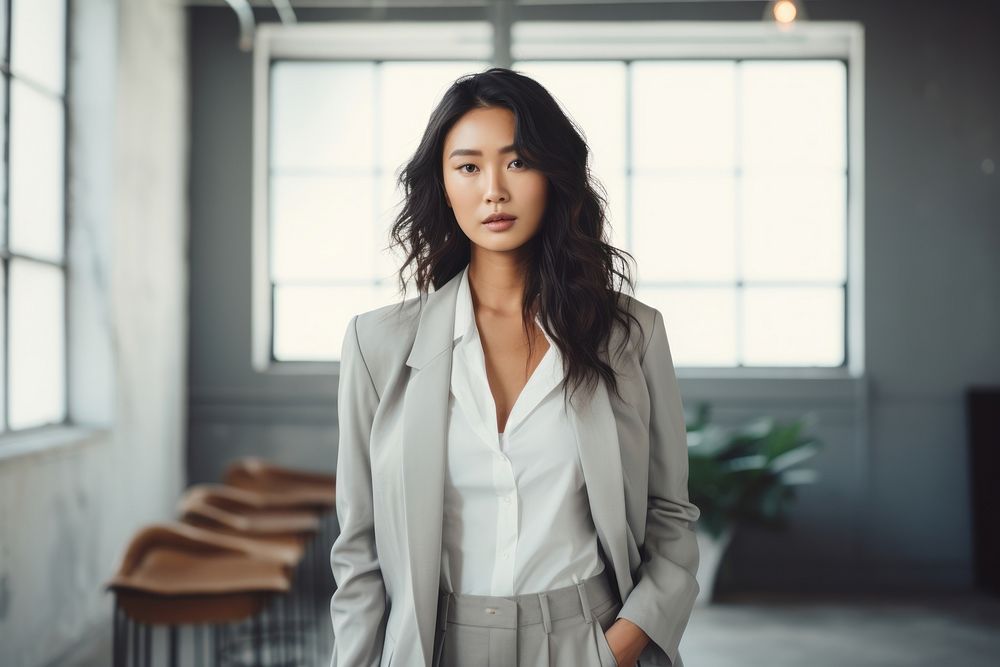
392	403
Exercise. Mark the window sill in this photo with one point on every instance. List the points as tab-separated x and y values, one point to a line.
769	385
274	367
767	373
48	439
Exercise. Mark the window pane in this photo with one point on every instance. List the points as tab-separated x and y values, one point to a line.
36	173
700	323
600	117
3	164
3	345
38	42
616	193
795	226
684	227
408	92
794	114
683	115
387	262
793	326
37	344
323	116
322	228
3	33
309	321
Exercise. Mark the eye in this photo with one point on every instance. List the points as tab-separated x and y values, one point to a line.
469	164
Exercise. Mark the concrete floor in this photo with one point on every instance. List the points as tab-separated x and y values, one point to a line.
779	631
785	631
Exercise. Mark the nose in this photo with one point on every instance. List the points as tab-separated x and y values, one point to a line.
496	192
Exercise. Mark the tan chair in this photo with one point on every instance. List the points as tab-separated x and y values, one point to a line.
175	574
297	487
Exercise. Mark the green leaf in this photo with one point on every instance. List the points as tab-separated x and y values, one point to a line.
795	456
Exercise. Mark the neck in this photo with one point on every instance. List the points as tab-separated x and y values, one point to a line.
497	283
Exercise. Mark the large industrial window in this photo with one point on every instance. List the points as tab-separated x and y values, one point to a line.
32	218
729	154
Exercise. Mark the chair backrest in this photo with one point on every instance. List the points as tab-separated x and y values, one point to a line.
180	559
244	511
305	487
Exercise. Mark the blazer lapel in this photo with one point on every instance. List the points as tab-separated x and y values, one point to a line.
601	461
425	434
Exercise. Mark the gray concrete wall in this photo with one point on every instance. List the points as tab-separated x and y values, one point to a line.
233	409
891	509
70	502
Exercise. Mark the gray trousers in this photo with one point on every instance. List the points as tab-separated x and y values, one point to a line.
562	627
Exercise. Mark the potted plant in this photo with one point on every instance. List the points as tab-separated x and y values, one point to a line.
747	474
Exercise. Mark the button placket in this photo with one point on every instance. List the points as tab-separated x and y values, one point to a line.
506	532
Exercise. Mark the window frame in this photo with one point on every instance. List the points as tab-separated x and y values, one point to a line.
7	255
517	40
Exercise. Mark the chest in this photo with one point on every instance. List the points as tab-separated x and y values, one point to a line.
509	361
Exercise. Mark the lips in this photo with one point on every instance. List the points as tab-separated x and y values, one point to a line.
496	217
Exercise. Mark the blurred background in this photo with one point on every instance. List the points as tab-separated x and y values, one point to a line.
195	200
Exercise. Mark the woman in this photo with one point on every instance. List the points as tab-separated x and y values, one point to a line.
491	513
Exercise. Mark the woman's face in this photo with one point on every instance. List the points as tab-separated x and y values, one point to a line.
483	174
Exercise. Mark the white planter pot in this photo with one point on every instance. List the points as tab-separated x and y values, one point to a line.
711	551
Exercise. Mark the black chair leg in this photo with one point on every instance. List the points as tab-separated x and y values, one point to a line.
147	631
117	646
199	648
135	642
172	630
256	641
216	645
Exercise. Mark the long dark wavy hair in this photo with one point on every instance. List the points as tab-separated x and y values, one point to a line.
570	278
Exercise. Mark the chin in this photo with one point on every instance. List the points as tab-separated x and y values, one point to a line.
492	241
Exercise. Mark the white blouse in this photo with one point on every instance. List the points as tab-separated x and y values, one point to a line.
516	514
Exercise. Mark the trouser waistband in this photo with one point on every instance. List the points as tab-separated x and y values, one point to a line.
529	608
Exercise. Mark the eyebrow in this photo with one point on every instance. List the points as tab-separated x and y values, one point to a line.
469	151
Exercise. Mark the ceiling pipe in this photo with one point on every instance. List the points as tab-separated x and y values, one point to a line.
244	13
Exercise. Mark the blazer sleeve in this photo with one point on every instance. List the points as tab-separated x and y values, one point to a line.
665	593
358	604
